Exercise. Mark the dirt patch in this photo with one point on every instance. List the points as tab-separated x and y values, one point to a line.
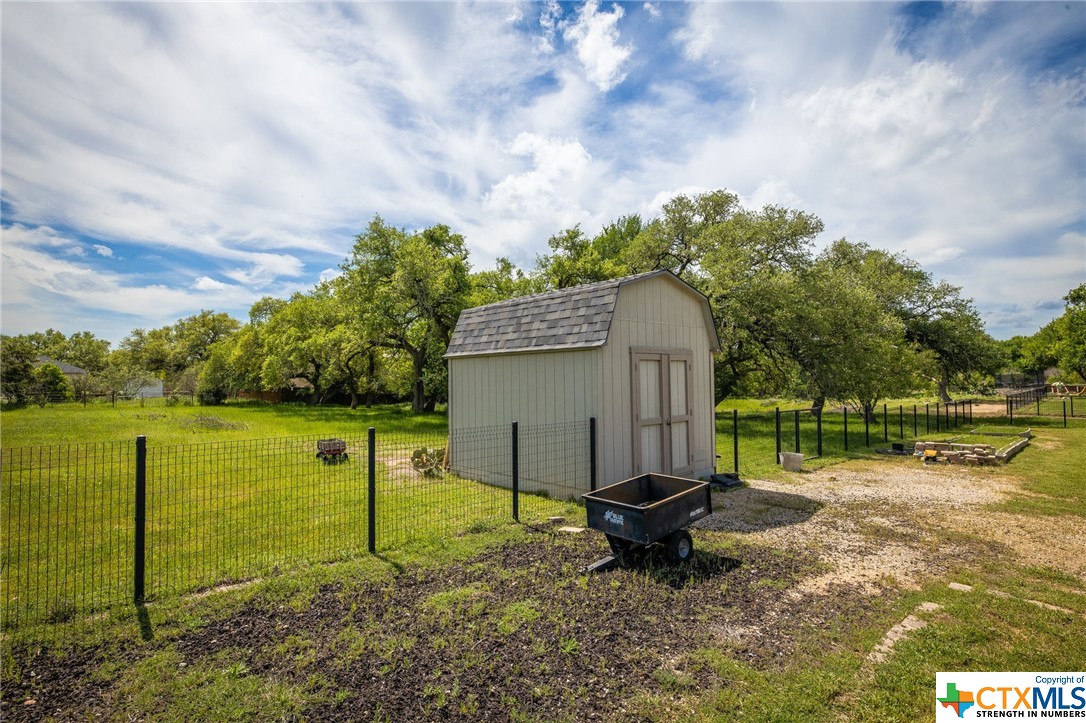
989	409
895	521
209	422
514	632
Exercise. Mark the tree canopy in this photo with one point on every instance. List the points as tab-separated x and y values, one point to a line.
849	323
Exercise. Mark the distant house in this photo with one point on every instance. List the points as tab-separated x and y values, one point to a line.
153	390
296	388
635	353
72	372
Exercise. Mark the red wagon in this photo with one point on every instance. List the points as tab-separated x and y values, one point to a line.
331	451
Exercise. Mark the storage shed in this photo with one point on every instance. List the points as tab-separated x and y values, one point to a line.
634	353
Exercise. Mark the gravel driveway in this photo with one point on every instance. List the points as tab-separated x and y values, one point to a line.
897	521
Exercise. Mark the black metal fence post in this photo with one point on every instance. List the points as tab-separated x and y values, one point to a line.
777	414
914	422
900	421
735	439
818	421
140	561
885	424
1065	414
592	453
371	464
867	425
516	474
938	418
1010	410
797	430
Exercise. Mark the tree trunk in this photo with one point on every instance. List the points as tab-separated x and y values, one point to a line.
869	412
351	381
371	383
418	398
944	384
314	381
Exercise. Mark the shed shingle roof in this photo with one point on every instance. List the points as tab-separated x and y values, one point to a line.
575	318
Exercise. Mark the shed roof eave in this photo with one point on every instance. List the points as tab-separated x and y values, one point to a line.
551	348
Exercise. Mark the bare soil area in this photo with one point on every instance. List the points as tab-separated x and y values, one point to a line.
989	409
896	521
516	633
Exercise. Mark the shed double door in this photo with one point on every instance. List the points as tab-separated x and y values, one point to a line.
662	411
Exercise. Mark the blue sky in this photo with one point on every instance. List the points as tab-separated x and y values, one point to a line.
161	159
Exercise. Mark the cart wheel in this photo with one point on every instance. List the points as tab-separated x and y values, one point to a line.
344	457
680	547
320	455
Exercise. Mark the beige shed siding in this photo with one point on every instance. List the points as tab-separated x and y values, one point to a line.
530	388
653	313
542	388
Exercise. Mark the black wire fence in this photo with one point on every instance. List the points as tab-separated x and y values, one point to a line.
67	530
90	527
83	399
760	439
1041	402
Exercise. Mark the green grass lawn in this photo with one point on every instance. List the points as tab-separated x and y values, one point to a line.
847	437
229	496
844	436
213	484
234	491
161	424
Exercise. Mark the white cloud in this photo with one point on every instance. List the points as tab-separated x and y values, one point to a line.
550	19
949	160
920	115
47	291
103	250
557	166
246	144
265	269
595	37
945	255
206	283
42	237
774	192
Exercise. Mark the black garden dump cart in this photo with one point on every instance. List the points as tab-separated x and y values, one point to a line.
637	512
331	451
